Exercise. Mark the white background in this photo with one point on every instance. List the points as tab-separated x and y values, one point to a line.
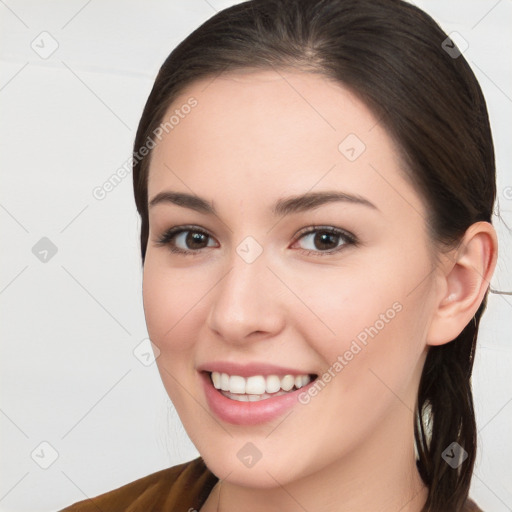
69	327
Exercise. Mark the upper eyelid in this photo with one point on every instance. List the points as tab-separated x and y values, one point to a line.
302	231
327	228
307	230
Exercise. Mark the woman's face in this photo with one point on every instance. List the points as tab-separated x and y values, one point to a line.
338	287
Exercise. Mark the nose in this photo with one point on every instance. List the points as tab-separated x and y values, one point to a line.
244	304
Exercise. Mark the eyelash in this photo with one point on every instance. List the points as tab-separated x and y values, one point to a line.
348	239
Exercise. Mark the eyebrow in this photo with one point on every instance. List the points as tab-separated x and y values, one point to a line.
285	206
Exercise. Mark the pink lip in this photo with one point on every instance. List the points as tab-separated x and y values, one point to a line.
247	370
249	413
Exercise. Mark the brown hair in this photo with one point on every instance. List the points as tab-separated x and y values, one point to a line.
394	57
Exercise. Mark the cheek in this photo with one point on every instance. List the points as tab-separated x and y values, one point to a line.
171	300
372	369
374	327
170	306
159	304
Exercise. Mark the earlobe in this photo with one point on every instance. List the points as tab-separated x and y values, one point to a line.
467	276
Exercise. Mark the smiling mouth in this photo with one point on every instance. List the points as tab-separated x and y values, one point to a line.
258	387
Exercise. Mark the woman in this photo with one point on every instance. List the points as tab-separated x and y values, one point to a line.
278	132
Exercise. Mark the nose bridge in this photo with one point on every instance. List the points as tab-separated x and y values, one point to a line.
243	302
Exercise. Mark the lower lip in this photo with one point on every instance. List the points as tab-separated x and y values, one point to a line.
248	413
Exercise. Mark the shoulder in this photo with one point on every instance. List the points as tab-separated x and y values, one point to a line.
186	485
471	506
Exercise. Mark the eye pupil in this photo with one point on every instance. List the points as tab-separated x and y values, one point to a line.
323	238
195	238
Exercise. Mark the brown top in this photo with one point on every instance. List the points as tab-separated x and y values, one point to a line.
181	488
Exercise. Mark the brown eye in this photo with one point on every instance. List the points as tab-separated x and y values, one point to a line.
327	240
194	240
186	241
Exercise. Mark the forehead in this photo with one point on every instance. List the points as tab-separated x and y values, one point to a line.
274	131
273	110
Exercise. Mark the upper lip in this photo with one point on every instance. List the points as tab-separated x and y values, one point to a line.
249	369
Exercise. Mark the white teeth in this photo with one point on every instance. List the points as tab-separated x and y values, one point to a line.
216	378
236	384
224	381
257	387
273	384
287	382
305	379
251	398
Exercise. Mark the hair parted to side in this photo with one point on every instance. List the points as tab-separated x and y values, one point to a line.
389	53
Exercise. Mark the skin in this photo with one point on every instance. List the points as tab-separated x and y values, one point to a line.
253	138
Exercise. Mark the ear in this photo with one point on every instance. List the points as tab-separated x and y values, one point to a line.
466	275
